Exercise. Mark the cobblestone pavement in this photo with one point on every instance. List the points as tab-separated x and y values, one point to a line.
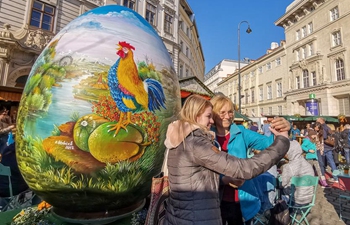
326	209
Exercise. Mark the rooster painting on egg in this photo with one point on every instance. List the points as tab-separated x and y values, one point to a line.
130	93
93	119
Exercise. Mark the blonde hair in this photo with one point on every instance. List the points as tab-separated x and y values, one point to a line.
193	107
219	101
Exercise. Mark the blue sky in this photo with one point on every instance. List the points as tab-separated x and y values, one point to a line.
217	23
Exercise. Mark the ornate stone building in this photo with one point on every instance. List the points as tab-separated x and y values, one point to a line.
314	58
26	27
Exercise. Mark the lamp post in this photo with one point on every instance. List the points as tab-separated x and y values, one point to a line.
239	64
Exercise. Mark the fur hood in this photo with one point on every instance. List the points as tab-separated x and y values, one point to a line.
178	131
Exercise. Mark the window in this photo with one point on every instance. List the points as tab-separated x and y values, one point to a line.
234	98
151	14
306	78
270	110
278	61
334	13
252	73
187	51
303	52
269	91
246	97
181	71
260	69
186	73
130	4
187	31
168	23
339	67
261	94
311	49
279	108
297	35
279	89
313	77
336	38
268	66
344	105
42	16
297	82
303	31
310	28
181	46
252	93
297	56
181	24
262	111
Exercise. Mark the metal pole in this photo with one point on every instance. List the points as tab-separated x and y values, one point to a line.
239	72
239	65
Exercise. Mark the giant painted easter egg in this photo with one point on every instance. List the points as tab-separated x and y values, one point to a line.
94	112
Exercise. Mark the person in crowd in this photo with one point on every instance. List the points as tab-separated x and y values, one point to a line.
8	158
241	200
320	148
327	149
195	164
254	127
265	129
296	166
346	145
5	127
307	129
309	146
295	132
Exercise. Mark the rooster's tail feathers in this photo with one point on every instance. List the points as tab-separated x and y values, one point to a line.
156	97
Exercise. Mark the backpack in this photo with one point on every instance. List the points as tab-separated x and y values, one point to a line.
339	142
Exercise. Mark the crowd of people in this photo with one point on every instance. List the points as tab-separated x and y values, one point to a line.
219	170
214	178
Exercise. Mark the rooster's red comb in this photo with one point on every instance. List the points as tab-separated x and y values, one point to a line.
126	45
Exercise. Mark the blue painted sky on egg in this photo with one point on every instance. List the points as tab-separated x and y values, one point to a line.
94	36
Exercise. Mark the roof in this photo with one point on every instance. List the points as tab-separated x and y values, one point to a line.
195	86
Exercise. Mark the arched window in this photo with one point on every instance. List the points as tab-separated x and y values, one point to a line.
306	78
21	81
339	69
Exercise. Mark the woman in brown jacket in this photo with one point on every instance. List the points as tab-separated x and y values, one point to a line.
194	165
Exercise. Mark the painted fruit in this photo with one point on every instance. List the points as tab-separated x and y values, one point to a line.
127	144
84	127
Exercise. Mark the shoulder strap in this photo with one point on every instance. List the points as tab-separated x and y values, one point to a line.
165	162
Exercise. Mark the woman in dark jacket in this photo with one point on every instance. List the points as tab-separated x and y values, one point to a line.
195	164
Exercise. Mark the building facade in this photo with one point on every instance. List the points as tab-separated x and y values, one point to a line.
220	72
312	60
26	27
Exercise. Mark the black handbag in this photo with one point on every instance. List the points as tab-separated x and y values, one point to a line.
280	214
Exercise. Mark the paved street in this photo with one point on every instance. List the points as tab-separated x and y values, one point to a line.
326	210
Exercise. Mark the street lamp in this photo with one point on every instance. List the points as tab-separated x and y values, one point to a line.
239	64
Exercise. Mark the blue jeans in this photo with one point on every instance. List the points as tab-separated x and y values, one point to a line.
321	161
347	155
330	161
